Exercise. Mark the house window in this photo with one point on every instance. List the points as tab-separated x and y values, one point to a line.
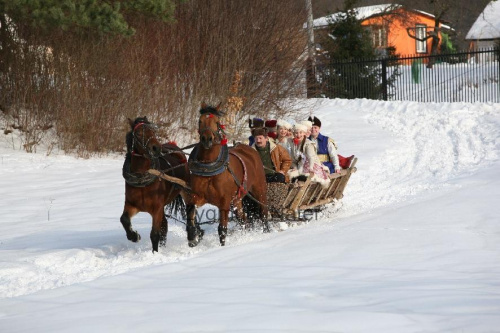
421	34
379	36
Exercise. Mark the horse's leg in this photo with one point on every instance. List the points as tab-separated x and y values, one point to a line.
263	210
264	217
156	230
194	232
239	212
163	231
128	212
222	229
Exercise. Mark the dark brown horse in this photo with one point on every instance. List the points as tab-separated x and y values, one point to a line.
145	192
222	176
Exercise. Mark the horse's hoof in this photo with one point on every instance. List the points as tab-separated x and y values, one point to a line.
134	237
194	242
155	248
201	232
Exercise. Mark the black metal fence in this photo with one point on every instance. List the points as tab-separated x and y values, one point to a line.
472	76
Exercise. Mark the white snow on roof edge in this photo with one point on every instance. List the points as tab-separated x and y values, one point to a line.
487	25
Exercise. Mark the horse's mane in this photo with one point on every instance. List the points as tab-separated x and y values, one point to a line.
212	110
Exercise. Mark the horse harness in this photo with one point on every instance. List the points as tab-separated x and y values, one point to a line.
221	164
139	179
218	166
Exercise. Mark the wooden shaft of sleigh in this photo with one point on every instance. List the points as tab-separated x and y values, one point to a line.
168	178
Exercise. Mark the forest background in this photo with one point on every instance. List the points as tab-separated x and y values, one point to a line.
71	72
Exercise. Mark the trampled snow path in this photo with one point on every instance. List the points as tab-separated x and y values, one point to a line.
60	217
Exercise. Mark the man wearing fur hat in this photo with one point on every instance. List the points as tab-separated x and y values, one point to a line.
327	149
275	158
254	123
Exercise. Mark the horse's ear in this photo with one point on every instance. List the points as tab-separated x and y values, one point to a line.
130	122
145	119
204	105
218	106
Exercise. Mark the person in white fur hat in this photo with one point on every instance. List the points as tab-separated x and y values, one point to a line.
308	124
283	138
304	158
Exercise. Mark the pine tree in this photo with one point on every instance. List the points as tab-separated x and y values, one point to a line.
348	41
33	24
78	15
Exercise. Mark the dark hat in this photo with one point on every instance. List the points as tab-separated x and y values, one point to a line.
259	131
315	121
255	122
271	123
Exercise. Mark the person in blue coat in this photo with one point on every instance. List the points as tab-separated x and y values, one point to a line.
327	149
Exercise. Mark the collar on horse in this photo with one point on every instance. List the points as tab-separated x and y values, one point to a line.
217	167
138	179
211	168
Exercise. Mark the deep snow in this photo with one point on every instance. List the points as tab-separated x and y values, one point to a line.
412	247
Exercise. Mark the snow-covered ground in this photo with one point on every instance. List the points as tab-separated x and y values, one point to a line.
413	247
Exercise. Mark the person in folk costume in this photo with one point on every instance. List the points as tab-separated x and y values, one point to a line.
271	128
304	158
275	158
254	123
327	149
283	137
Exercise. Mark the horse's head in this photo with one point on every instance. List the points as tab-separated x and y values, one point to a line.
209	127
144	141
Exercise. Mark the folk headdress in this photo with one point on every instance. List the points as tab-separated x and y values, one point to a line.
255	123
284	124
315	121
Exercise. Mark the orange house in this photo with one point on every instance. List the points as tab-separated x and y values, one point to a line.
391	26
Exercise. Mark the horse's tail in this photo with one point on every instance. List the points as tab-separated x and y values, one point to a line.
251	209
176	207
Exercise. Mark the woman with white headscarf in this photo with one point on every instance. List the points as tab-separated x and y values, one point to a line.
304	158
283	139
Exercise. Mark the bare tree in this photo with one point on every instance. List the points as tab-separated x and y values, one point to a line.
247	54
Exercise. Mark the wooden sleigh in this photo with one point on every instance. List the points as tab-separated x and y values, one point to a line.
287	200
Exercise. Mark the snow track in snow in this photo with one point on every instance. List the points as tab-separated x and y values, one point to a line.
69	209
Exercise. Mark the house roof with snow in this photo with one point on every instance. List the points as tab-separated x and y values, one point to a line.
362	13
487	25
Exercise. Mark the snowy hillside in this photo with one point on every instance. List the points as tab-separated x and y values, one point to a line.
414	246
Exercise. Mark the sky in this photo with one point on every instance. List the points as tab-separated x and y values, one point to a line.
414	245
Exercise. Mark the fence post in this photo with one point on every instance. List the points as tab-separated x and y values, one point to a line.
497	51
384	79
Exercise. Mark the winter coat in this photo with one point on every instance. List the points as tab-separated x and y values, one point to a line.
305	160
280	157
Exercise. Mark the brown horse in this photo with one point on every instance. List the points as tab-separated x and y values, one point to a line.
222	176
145	192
